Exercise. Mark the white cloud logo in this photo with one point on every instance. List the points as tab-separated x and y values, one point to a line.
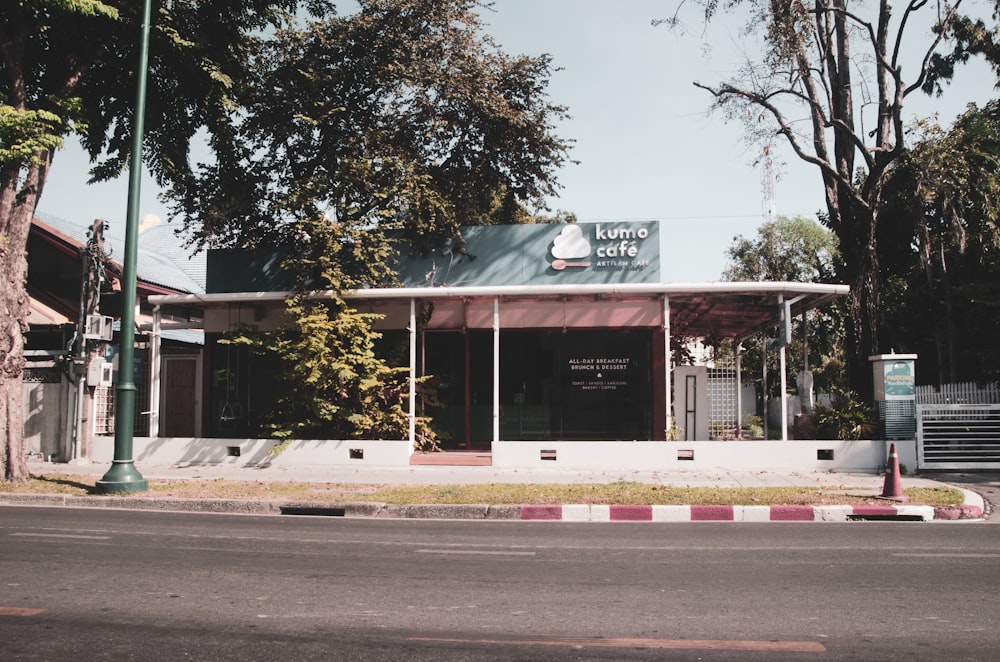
570	244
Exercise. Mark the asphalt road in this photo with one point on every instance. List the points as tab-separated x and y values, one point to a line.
127	585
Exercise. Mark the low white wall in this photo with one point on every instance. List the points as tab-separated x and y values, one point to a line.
804	455
164	451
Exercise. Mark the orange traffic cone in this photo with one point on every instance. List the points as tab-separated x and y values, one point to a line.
893	486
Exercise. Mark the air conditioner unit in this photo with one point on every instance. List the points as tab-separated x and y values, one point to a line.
99	327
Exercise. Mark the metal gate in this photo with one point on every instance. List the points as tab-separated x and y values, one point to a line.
958	436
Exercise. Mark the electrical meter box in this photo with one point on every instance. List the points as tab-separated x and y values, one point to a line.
99	373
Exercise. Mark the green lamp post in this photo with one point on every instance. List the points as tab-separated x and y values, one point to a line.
123	477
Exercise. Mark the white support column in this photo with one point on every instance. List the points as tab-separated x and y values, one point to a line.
739	390
784	383
496	369
155	352
413	374
667	367
763	377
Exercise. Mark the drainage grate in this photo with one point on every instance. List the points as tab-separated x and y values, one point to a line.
313	510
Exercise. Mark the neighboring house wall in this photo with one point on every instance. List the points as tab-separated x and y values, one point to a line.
48	399
55	278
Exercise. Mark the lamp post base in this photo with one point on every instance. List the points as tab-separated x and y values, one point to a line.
122	478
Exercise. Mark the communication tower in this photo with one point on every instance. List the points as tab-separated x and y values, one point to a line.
767	180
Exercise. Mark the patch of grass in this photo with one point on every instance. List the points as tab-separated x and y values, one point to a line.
220	488
642	493
620	493
54	484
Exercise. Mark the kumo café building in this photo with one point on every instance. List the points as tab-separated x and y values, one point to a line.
550	347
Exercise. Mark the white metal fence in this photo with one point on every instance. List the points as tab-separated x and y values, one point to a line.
968	393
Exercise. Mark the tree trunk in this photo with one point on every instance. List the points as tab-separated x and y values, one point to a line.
932	298
859	250
19	193
949	324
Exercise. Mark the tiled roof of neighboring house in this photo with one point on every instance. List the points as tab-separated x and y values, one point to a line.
161	258
41	314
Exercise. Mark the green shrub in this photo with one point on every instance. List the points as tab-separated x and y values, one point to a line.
846	418
754	426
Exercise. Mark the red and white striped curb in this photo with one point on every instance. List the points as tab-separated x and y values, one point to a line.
639	513
973	508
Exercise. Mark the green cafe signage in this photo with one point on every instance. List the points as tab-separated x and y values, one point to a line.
541	254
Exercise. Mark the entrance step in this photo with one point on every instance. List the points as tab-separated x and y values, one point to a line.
453	459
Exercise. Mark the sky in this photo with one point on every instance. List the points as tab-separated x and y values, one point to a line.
648	148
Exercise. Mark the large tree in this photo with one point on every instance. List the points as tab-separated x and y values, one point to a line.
831	80
945	196
363	136
68	67
403	116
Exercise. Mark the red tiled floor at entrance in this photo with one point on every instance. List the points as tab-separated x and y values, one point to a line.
453	459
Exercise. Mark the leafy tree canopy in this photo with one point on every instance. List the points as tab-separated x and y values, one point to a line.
69	67
72	64
786	249
401	118
945	198
358	136
830	79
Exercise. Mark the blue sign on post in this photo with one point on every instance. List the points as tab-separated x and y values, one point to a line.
895	394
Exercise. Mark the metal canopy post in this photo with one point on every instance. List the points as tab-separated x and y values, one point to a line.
155	347
739	390
784	383
667	368
413	374
496	369
763	377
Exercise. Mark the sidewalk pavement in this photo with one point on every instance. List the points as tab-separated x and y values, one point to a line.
973	508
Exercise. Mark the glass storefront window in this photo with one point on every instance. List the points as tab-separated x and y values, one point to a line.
577	384
554	384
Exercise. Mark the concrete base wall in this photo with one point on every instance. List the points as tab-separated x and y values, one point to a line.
805	455
256	452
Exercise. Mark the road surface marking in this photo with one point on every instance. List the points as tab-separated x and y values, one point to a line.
61	535
946	555
476	552
656	644
19	611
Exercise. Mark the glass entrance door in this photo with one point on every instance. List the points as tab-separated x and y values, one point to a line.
462	366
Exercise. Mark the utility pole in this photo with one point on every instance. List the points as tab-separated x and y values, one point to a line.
87	351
